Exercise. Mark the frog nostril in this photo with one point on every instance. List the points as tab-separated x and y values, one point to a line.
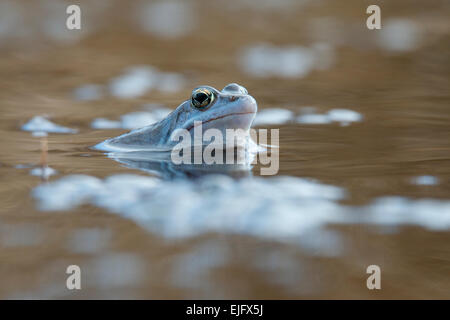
233	98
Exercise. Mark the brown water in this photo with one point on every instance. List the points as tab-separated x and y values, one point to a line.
403	97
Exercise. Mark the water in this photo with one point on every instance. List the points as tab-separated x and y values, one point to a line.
364	155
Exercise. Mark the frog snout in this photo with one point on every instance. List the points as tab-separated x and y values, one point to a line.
246	103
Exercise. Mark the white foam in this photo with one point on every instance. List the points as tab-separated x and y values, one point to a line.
313	119
24	166
44	172
137	119
67	192
88	92
102	123
132	120
278	208
166	19
266	60
425	180
21	235
275	208
138	80
88	240
394	211
272	116
267	5
170	82
158	112
41	124
343	116
399	35
10	15
191	269
135	82
117	270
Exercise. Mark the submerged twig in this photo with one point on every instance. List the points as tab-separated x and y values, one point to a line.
44	158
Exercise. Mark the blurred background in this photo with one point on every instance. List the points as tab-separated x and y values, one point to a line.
364	150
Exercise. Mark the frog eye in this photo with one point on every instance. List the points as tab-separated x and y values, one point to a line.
202	98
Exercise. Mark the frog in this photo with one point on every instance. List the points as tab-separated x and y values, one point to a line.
230	108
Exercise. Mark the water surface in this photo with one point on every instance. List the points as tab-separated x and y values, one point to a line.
353	189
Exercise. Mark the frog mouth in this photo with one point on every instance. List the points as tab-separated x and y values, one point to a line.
217	118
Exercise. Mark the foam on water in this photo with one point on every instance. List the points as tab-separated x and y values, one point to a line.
399	35
273	116
166	19
170	82
425	180
266	60
69	192
10	14
21	235
43	172
314	119
117	270
278	208
102	123
138	119
134	82
394	211
266	5
24	166
42	124
132	120
137	80
88	240
342	116
88	92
